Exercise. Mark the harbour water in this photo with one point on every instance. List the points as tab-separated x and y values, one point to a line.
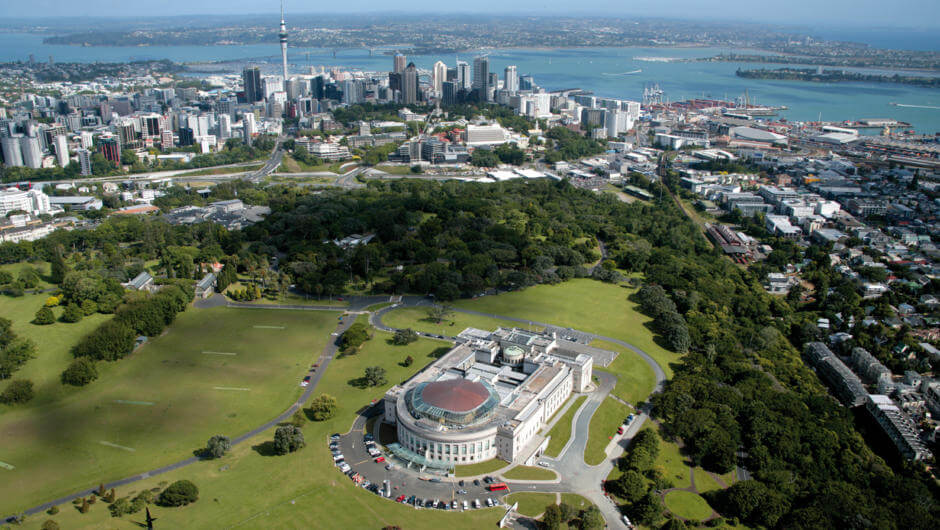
609	72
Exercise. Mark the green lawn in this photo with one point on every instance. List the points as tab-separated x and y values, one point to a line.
635	378
704	481
396	170
688	505
161	403
300	490
583	304
576	501
481	468
673	464
604	425
417	319
291	165
561	432
52	348
529	473
41	266
530	503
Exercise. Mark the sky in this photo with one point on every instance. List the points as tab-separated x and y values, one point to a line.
924	14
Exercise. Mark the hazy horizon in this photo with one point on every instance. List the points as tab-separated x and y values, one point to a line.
859	14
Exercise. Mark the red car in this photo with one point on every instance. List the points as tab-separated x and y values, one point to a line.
307	379
620	430
380	459
401	498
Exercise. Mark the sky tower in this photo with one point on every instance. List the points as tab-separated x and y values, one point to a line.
283	36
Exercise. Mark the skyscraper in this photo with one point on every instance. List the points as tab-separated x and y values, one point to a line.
283	37
463	76
317	87
32	152
399	63
481	76
84	160
12	156
110	147
251	78
62	150
409	89
511	79
438	76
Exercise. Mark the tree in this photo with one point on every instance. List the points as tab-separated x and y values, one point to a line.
404	337
354	337
551	518
375	376
323	407
108	342
630	486
29	278
288	439
640	459
18	391
217	446
179	493
298	419
80	372
591	518
59	267
408	361
649	510
49	524
44	317
73	313
439	312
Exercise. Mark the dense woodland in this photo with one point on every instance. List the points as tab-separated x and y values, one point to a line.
740	395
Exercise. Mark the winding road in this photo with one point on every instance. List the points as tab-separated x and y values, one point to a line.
577	476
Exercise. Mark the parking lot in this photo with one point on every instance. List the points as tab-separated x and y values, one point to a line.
419	489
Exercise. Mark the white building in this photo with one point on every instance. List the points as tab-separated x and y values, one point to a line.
62	150
12	156
32	152
485	135
438	76
33	201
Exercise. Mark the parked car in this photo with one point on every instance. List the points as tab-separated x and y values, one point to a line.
544	463
489	502
453	505
460	483
380	459
400	498
334	436
461	492
476	503
476	482
620	430
307	379
465	505
488	479
337	458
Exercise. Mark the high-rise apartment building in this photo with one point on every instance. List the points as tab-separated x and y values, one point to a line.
62	150
511	79
481	76
464	76
12	156
438	76
32	152
84	160
409	90
399	63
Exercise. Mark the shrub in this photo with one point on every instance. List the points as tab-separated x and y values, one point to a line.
404	336
217	446
323	407
52	301
108	342
120	507
44	316
49	524
298	419
18	391
89	307
288	439
81	372
179	493
52	511
73	313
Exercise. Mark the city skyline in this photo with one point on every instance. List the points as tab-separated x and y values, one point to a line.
839	13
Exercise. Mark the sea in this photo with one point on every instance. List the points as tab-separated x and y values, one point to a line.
607	72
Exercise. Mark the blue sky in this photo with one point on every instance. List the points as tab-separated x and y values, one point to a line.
923	14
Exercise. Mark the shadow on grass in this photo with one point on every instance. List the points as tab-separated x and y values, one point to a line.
358	382
265	448
439	352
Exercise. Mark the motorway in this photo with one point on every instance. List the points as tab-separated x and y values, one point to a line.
576	475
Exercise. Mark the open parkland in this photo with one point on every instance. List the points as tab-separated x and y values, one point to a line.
227	370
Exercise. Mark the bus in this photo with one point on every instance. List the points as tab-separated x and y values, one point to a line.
499	486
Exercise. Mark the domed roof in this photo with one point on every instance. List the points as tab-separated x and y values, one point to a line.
455	395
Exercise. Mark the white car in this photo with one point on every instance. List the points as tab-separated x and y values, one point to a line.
466	506
489	501
476	503
544	464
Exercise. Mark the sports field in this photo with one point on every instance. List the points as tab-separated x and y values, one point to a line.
215	371
583	304
300	490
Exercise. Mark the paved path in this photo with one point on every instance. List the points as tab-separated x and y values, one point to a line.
329	351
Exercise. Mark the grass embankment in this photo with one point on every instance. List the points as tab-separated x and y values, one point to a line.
561	432
417	319
221	170
290	165
529	473
481	468
576	501
302	489
688	505
218	371
609	415
404	171
530	504
635	378
583	304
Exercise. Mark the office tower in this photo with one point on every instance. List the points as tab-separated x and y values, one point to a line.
464	80
493	82
438	76
592	117
87	139
62	150
225	126
317	90
84	160
32	152
481	77
187	136
110	147
251	78
449	93
166	139
511	79
398	65
150	125
395	81
352	91
409	89
249	124
127	134
12	156
526	82
283	37
295	88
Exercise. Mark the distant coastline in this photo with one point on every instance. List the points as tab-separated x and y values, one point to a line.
836	76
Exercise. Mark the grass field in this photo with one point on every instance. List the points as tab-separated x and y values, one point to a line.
52	349
290	165
688	505
481	468
396	170
300	490
417	319
604	424
530	473
674	465
561	432
576	501
41	266
583	304
530	503
635	378
221	170
161	403
704	481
